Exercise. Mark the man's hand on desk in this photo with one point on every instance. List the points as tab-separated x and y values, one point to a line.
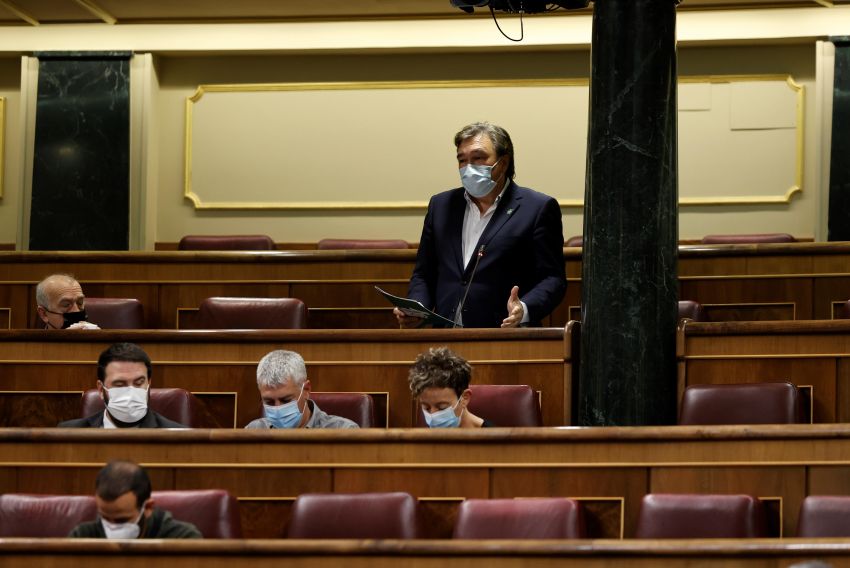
405	321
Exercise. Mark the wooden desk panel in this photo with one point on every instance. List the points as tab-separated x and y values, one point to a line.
750	553
222	365
810	354
610	469
736	282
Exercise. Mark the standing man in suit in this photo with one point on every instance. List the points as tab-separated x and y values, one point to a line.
124	381
491	252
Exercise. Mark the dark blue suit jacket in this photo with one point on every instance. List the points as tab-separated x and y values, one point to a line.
523	247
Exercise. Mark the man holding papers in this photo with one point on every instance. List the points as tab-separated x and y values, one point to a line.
491	252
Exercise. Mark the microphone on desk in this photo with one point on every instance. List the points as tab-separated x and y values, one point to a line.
468	285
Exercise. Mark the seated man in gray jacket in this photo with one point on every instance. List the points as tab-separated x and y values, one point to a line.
125	508
285	391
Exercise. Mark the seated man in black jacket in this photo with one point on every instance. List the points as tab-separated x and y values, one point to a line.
125	508
124	381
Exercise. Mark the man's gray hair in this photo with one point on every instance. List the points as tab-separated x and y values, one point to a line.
498	136
41	296
279	367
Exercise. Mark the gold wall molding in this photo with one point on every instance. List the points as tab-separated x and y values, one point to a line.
200	203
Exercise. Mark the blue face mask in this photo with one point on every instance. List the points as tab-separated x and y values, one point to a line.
445	418
477	180
286	415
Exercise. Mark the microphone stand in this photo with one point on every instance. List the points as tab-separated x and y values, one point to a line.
468	286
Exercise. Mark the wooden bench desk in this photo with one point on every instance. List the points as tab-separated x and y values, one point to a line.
43	373
608	469
814	355
752	553
733	282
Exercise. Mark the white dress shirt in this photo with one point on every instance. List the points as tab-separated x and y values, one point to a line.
474	223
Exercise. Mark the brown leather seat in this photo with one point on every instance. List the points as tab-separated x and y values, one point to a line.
554	517
44	516
175	404
746	239
503	405
214	511
354	515
700	516
336	244
226	242
356	406
688	309
575	241
252	313
116	313
745	403
824	516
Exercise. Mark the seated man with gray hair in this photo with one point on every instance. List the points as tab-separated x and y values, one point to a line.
285	391
61	304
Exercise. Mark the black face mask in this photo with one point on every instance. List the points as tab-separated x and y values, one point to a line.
70	318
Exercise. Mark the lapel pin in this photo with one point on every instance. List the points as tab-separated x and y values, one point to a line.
509	211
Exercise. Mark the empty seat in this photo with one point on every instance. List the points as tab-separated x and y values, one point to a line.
824	516
356	406
688	309
252	313
44	516
700	516
504	405
746	403
214	511
175	404
575	241
519	519
336	244
746	239
115	313
354	515
226	242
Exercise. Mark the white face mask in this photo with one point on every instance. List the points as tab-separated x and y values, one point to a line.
130	529
127	404
477	180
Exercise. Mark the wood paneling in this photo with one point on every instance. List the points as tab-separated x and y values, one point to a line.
736	282
814	355
747	553
609	469
221	367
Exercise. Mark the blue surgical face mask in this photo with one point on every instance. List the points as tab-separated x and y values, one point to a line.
286	415
445	418
477	180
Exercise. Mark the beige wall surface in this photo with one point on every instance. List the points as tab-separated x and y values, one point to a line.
179	78
10	87
331	168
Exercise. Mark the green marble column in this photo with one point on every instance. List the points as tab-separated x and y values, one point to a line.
81	163
629	280
839	165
